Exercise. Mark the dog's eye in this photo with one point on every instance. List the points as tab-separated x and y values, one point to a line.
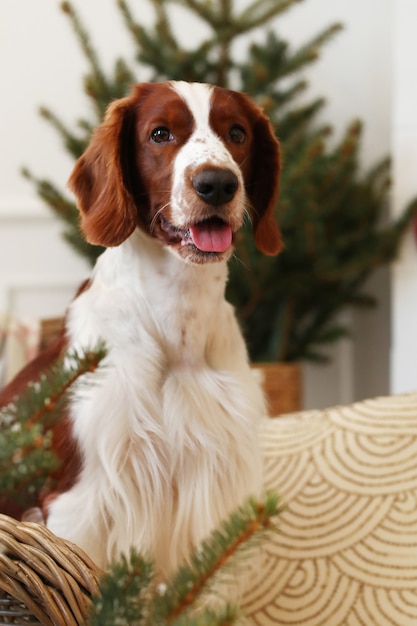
237	134
162	134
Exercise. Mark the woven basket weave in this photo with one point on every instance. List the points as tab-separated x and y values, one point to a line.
43	579
282	384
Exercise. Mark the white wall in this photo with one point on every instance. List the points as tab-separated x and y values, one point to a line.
355	75
404	147
40	63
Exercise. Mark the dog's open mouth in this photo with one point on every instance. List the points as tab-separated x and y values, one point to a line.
211	235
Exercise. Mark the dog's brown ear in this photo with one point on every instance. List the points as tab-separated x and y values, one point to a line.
263	186
100	179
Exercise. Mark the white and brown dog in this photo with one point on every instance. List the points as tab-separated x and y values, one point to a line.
163	444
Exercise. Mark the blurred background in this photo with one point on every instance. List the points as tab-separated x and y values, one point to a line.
366	71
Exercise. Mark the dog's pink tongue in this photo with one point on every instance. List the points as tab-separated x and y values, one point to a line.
211	236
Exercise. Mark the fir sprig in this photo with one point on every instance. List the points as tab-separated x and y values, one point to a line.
130	594
122	593
26	455
235	536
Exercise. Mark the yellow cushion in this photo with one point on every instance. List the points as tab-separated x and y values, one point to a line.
346	553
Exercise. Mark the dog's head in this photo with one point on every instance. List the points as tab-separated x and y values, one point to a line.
183	162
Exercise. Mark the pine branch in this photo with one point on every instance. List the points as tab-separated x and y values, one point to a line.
130	593
26	457
260	12
261	70
87	250
170	61
98	87
294	126
164	25
138	32
248	523
65	209
123	592
310	51
73	144
87	48
313	325
205	10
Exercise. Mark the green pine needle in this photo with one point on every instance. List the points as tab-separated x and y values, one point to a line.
26	455
123	593
235	537
130	594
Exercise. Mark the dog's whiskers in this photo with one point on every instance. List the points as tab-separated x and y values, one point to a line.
236	259
243	161
157	214
247	218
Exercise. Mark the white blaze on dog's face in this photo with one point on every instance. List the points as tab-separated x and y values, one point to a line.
207	198
215	202
182	161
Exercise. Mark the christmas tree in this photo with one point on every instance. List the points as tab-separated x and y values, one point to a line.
330	212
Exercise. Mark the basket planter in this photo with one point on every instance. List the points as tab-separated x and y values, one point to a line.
43	579
282	383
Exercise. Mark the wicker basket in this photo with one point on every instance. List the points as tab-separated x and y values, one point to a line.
50	329
43	579
282	383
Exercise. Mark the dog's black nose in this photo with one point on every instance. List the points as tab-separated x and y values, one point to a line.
216	186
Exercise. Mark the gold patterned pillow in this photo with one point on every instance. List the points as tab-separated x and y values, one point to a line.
346	553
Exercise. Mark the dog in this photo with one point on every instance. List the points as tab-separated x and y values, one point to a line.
162	444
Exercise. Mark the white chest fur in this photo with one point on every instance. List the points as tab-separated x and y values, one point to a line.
168	426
